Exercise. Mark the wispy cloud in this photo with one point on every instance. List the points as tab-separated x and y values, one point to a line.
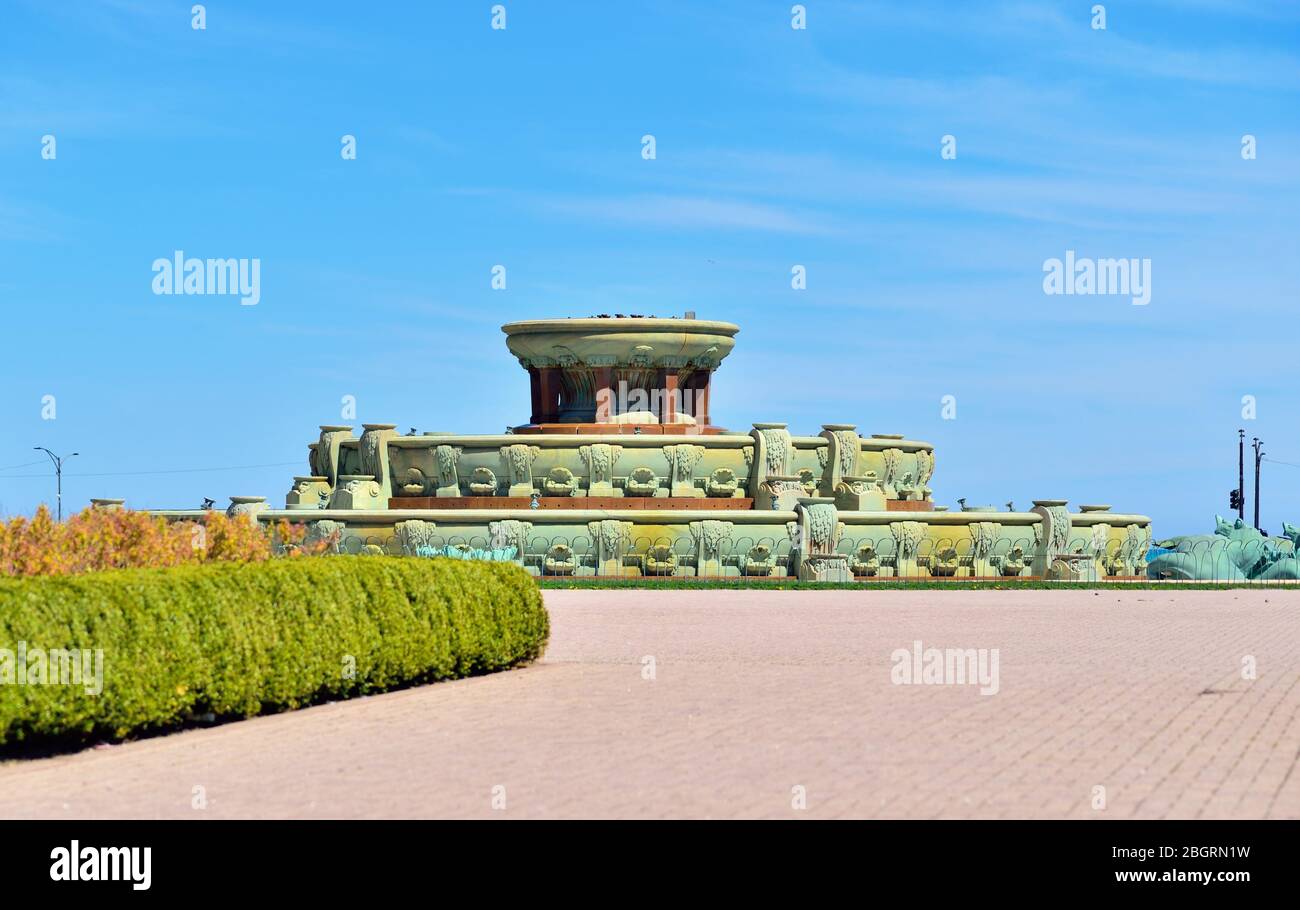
691	213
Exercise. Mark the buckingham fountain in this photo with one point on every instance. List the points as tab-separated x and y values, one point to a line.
621	471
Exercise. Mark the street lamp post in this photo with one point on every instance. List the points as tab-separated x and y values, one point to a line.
1258	446
1241	474
58	474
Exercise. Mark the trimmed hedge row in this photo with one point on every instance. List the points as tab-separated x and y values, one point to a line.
234	640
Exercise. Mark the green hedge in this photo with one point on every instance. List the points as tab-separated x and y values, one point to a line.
236	640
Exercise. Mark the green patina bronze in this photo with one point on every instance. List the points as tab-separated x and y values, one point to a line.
1234	552
620	411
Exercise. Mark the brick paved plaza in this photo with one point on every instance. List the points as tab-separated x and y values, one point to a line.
761	700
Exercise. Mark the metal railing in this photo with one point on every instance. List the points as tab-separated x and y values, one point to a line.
865	557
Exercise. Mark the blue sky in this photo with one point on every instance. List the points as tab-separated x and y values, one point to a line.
775	147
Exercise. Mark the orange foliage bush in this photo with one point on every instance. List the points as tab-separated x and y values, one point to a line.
98	539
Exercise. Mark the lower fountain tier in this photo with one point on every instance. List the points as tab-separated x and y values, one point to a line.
813	541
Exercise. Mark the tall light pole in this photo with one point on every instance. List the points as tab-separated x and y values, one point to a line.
1241	474
58	474
1258	446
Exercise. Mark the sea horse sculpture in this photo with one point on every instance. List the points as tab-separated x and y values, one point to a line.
1234	552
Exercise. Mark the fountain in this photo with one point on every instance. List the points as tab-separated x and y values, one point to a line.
621	471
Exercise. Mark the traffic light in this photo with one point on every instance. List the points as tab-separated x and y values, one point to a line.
1234	499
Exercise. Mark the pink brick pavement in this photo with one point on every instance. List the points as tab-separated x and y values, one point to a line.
757	693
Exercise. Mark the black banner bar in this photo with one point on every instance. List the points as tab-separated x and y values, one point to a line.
335	859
